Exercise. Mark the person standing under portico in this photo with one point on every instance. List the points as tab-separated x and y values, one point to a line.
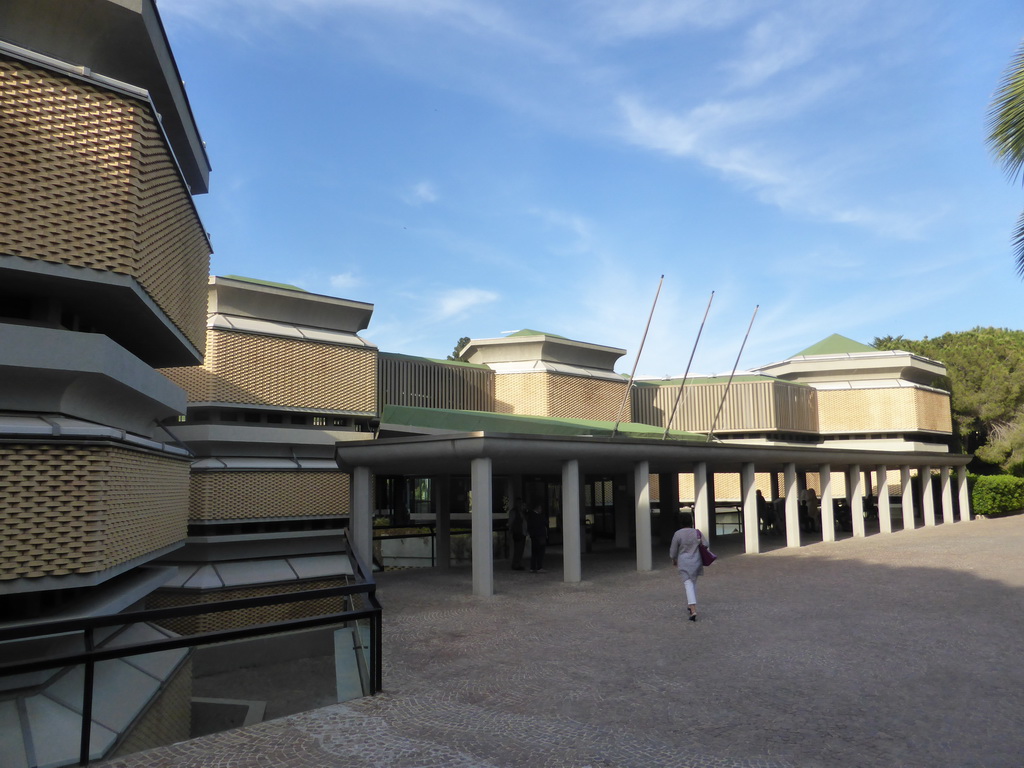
517	530
537	528
685	555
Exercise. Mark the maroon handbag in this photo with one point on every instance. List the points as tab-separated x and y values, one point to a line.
706	555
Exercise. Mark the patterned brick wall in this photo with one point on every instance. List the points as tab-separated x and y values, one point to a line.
89	182
252	369
257	495
883	410
579	398
560	396
82	509
523	393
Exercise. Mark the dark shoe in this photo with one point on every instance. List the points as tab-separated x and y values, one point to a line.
693	617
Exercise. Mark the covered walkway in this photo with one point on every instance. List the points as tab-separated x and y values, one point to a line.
483	455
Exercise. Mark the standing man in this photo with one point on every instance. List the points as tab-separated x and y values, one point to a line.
537	527
517	530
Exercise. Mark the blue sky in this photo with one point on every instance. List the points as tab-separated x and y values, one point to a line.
474	167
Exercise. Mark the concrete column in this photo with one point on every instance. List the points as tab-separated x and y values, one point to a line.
748	487
443	515
482	520
927	499
642	496
884	510
361	516
701	514
947	495
964	493
571	539
907	484
855	493
792	507
828	513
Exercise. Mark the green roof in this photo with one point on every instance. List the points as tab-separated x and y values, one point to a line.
530	332
416	358
267	283
836	345
483	421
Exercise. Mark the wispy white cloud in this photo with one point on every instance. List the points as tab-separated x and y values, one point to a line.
623	19
753	141
344	281
579	228
773	47
794	34
475	16
419	193
733	138
458	301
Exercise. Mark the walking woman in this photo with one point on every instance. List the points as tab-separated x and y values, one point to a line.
686	557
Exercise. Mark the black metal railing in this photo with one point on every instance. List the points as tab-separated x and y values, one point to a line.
90	654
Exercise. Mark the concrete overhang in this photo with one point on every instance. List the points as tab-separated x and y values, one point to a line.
541	347
107	300
893	365
272	442
120	39
250	299
541	454
85	376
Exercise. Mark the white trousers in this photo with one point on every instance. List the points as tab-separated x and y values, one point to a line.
691	591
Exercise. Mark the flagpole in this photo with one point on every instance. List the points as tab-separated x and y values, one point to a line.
679	395
629	387
729	383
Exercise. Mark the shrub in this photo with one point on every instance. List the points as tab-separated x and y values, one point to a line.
997	494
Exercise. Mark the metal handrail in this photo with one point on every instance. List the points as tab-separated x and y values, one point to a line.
91	655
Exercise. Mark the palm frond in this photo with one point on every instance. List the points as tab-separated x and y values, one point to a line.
1018	245
1006	119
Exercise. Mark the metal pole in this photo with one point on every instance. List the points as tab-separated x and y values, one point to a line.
87	686
378	652
679	395
734	366
629	387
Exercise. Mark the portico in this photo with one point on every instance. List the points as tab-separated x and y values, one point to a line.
483	456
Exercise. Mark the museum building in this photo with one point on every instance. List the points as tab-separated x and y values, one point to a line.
170	439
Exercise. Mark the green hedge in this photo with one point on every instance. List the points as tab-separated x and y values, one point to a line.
997	494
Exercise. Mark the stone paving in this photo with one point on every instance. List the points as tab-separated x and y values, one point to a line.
901	650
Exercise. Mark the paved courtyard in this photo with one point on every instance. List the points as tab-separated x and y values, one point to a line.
901	650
